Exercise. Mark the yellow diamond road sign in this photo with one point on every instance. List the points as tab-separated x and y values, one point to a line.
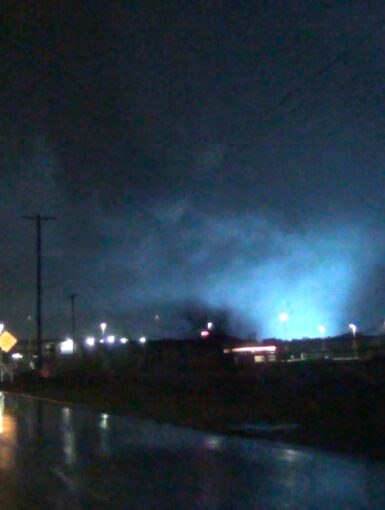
7	341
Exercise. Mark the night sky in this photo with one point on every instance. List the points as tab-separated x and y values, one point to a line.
207	158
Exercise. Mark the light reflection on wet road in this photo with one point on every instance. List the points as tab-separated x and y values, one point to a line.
55	457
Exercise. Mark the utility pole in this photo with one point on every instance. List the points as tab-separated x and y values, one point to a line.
73	315
38	219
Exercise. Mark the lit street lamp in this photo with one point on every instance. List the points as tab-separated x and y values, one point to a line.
322	330
103	327
284	317
90	341
353	327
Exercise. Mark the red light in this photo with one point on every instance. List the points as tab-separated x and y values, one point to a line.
205	333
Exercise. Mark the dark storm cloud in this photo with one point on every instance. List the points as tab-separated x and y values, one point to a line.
195	153
249	264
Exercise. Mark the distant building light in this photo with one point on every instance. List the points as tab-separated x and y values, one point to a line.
67	347
101	340
205	333
17	355
261	348
111	339
142	339
123	340
104	421
90	341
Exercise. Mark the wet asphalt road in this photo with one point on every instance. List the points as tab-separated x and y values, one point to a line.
57	457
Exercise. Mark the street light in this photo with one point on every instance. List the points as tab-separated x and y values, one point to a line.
103	327
353	327
322	330
284	317
142	339
90	341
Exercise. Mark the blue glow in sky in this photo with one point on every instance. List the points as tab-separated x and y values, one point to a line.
312	276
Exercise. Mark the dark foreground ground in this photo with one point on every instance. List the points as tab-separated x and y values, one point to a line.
56	457
339	406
